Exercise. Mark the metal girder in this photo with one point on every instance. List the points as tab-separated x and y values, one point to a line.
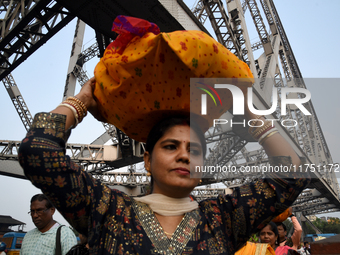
303	132
29	38
222	27
206	193
256	46
94	153
237	22
228	146
308	195
89	155
307	133
18	101
79	153
80	74
199	12
101	14
73	69
26	26
288	51
123	178
88	54
260	26
269	16
304	221
312	204
320	209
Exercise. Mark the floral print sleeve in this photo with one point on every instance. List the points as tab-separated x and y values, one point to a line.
250	207
42	155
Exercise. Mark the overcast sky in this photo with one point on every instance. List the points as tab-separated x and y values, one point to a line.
313	33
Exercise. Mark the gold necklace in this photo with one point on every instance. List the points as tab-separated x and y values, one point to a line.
168	234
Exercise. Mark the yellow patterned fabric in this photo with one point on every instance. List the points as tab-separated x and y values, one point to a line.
256	249
149	79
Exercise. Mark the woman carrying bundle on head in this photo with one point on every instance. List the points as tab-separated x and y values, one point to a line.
269	234
141	85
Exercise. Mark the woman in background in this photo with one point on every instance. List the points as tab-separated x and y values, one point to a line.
269	234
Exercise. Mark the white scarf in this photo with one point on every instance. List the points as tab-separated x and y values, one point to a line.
168	206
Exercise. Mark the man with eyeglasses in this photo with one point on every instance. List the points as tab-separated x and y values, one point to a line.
42	240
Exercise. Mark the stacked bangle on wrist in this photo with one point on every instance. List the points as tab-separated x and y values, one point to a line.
253	122
80	103
258	132
267	135
262	133
77	107
74	111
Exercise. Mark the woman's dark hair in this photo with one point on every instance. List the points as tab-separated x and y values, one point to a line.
161	127
273	228
281	224
42	197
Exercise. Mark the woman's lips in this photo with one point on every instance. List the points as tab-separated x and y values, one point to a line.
182	171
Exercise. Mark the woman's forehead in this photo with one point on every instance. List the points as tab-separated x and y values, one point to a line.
181	132
267	229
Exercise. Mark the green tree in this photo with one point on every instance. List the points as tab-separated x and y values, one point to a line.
330	226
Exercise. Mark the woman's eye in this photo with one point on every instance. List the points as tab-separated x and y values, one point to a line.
170	147
195	152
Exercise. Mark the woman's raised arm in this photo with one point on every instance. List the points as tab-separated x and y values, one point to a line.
274	145
42	154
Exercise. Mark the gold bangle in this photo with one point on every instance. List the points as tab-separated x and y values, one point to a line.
74	111
81	104
265	134
258	132
253	121
269	135
77	107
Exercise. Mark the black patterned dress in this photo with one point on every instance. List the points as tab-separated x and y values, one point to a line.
115	223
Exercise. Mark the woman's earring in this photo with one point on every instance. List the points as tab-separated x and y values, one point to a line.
148	172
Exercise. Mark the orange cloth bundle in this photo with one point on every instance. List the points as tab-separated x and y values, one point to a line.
144	75
283	216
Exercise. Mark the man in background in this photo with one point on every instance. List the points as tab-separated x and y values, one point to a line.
294	240
42	239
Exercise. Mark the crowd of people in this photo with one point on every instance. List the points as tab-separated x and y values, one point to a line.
166	221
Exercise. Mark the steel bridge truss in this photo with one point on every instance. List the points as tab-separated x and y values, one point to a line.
25	26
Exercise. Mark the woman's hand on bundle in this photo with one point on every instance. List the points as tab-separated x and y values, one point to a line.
87	97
